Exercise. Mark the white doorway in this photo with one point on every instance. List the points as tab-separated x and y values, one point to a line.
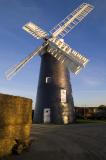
47	115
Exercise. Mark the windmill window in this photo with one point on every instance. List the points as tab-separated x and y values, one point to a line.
48	79
63	95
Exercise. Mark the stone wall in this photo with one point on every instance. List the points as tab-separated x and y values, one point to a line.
15	121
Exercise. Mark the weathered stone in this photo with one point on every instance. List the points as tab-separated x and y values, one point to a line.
15	121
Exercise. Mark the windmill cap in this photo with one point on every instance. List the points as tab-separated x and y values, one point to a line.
62	40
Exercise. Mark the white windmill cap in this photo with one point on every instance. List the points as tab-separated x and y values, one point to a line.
62	40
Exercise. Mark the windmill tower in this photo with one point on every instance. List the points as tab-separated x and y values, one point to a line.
54	102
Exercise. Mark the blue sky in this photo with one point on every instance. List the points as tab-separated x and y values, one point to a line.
89	38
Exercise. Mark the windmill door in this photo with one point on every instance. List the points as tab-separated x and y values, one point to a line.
47	115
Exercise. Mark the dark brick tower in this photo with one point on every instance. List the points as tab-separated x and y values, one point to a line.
54	92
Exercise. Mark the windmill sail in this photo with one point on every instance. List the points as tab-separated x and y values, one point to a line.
34	30
12	71
63	59
65	54
71	20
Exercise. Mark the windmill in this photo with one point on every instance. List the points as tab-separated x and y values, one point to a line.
54	101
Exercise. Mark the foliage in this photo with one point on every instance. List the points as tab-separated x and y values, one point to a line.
103	107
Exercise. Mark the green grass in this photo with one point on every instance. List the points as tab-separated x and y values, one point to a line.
85	121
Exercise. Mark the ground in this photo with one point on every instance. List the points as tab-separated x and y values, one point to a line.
66	142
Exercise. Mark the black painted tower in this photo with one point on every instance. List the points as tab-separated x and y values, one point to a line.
54	92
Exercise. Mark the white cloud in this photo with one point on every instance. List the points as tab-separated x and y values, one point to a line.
92	82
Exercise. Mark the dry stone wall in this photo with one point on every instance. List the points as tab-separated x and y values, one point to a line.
15	121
